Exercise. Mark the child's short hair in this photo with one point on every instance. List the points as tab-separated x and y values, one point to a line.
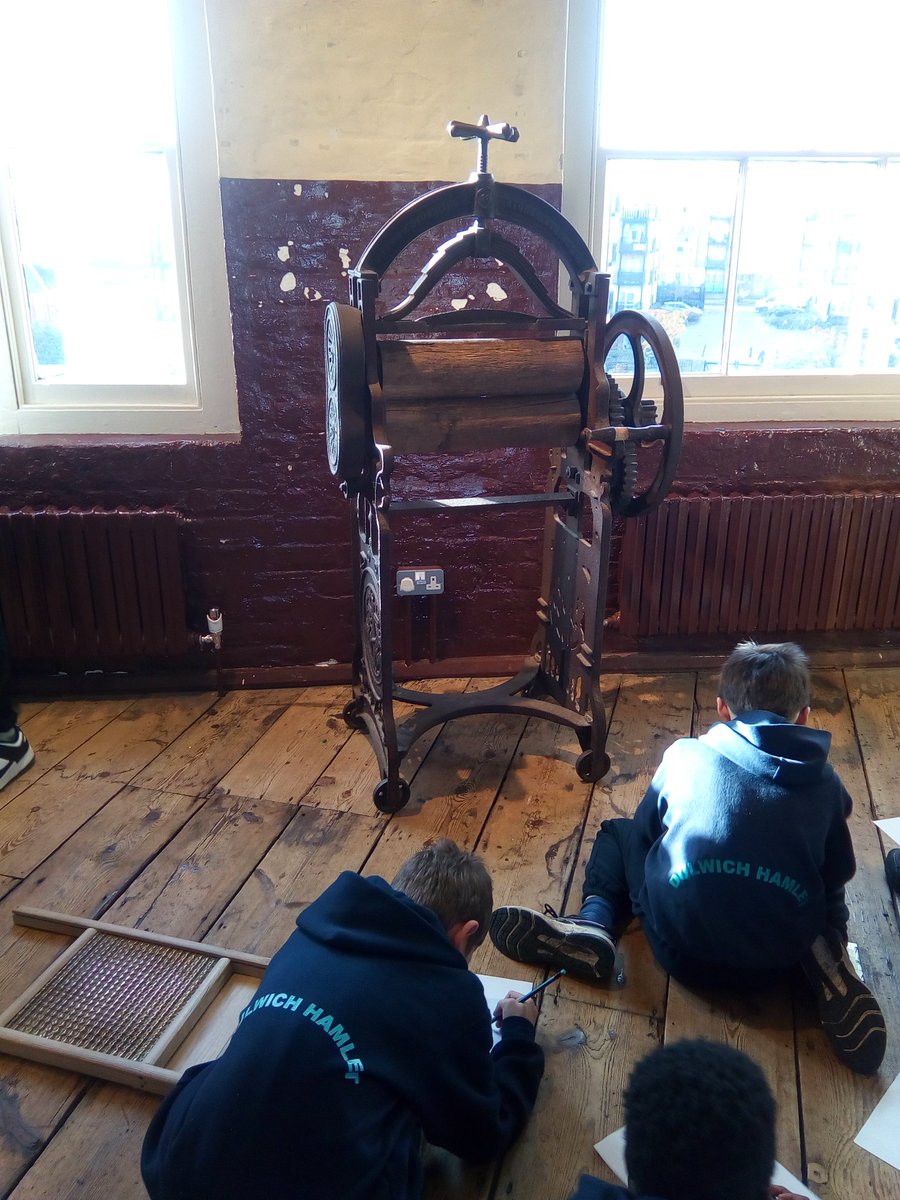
452	883
774	678
699	1124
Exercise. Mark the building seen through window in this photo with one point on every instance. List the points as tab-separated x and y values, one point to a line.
802	284
749	203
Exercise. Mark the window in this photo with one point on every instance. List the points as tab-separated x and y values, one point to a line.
766	189
110	223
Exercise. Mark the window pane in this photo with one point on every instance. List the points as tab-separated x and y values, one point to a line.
701	75
818	262
91	162
815	288
888	253
668	234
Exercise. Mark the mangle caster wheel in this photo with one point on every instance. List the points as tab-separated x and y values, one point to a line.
351	716
584	766
381	796
347	434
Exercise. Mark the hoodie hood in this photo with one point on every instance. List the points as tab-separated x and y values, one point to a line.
772	747
366	916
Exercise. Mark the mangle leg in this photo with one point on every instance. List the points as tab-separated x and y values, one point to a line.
572	610
372	707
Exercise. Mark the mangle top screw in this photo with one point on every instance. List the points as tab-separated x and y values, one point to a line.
483	131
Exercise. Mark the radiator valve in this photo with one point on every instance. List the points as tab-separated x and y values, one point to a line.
214	622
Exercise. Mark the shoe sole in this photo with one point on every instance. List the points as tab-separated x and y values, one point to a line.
16	768
850	1016
532	938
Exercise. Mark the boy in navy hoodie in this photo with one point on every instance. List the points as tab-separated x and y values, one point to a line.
699	1125
735	861
367	1031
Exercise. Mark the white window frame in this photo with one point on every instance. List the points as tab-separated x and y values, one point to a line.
207	404
710	399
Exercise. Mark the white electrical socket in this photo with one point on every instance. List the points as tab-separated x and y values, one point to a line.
420	581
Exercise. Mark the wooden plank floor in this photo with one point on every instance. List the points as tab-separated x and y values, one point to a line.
219	818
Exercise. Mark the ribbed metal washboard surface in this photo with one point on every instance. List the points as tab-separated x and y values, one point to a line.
115	995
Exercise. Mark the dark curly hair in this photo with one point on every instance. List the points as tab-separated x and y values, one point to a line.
699	1124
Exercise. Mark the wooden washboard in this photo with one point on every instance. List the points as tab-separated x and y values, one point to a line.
126	1005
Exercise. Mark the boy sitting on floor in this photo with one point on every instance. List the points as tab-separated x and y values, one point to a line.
699	1125
367	1031
735	861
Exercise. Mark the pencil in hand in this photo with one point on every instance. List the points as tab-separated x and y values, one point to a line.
540	987
498	1018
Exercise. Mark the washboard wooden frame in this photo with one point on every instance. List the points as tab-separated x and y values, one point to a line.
118	1002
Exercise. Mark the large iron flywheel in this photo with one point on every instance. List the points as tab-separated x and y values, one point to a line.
636	410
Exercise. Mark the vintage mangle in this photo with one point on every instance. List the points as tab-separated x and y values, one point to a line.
400	384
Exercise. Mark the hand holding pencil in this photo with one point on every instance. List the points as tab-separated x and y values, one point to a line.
514	1004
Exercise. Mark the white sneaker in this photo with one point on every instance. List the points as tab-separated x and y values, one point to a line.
15	756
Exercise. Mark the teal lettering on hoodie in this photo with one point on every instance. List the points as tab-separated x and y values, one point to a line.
731	866
314	1013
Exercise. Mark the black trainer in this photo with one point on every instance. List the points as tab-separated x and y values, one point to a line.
15	756
849	1013
892	870
584	948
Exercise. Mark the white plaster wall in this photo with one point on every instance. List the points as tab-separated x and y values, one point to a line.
363	89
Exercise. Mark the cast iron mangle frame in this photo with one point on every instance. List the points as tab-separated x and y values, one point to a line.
561	681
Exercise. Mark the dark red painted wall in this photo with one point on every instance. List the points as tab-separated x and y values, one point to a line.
791	458
266	536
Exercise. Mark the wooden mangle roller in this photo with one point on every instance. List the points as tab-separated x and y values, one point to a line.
458	396
468	381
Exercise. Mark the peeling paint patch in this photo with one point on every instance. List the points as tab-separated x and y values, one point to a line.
458	304
298	189
284	253
288	282
495	291
345	257
312	294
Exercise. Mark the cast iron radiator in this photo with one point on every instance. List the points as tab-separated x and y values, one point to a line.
92	589
754	564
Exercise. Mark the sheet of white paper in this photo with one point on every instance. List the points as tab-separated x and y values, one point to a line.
612	1150
782	1176
495	989
879	1134
891	826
